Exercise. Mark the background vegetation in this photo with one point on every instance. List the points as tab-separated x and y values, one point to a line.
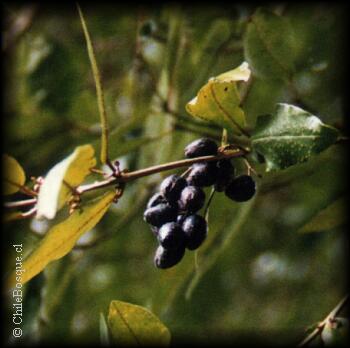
259	277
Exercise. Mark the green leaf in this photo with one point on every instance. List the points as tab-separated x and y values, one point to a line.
332	216
11	216
56	77
218	101
290	136
131	324
61	238
269	45
65	175
13	175
99	89
104	336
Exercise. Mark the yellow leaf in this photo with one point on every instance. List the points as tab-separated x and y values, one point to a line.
61	238
219	101
57	185
14	175
133	325
242	73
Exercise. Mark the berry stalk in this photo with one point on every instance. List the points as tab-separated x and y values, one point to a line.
129	176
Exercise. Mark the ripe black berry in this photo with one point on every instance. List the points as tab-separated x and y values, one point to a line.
172	186
166	258
156	199
201	147
203	174
160	214
171	235
180	218
192	199
225	174
241	189
195	229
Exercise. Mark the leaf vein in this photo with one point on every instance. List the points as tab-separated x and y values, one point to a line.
224	112
267	46
128	326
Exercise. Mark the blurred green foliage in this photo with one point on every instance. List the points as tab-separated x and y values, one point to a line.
258	278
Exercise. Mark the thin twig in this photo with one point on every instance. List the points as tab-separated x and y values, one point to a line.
99	91
19	204
318	330
129	176
206	210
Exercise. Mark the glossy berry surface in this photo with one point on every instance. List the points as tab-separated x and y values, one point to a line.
171	235
192	199
156	199
180	218
203	174
172	186
166	258
195	229
225	174
241	189
201	147
160	214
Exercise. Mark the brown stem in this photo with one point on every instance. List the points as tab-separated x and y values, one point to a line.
125	177
19	204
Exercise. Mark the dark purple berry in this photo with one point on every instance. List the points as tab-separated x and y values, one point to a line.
171	235
203	174
166	258
241	189
160	214
195	229
172	186
192	199
225	174
180	218
201	147
156	199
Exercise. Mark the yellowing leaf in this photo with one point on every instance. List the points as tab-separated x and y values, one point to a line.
242	73
70	172
218	101
132	325
61	238
13	175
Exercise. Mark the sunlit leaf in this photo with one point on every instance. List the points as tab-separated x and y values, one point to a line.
104	335
332	216
269	45
61	238
13	175
65	175
134	325
290	136
218	101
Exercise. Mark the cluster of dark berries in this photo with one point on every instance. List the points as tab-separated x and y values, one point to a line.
172	212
